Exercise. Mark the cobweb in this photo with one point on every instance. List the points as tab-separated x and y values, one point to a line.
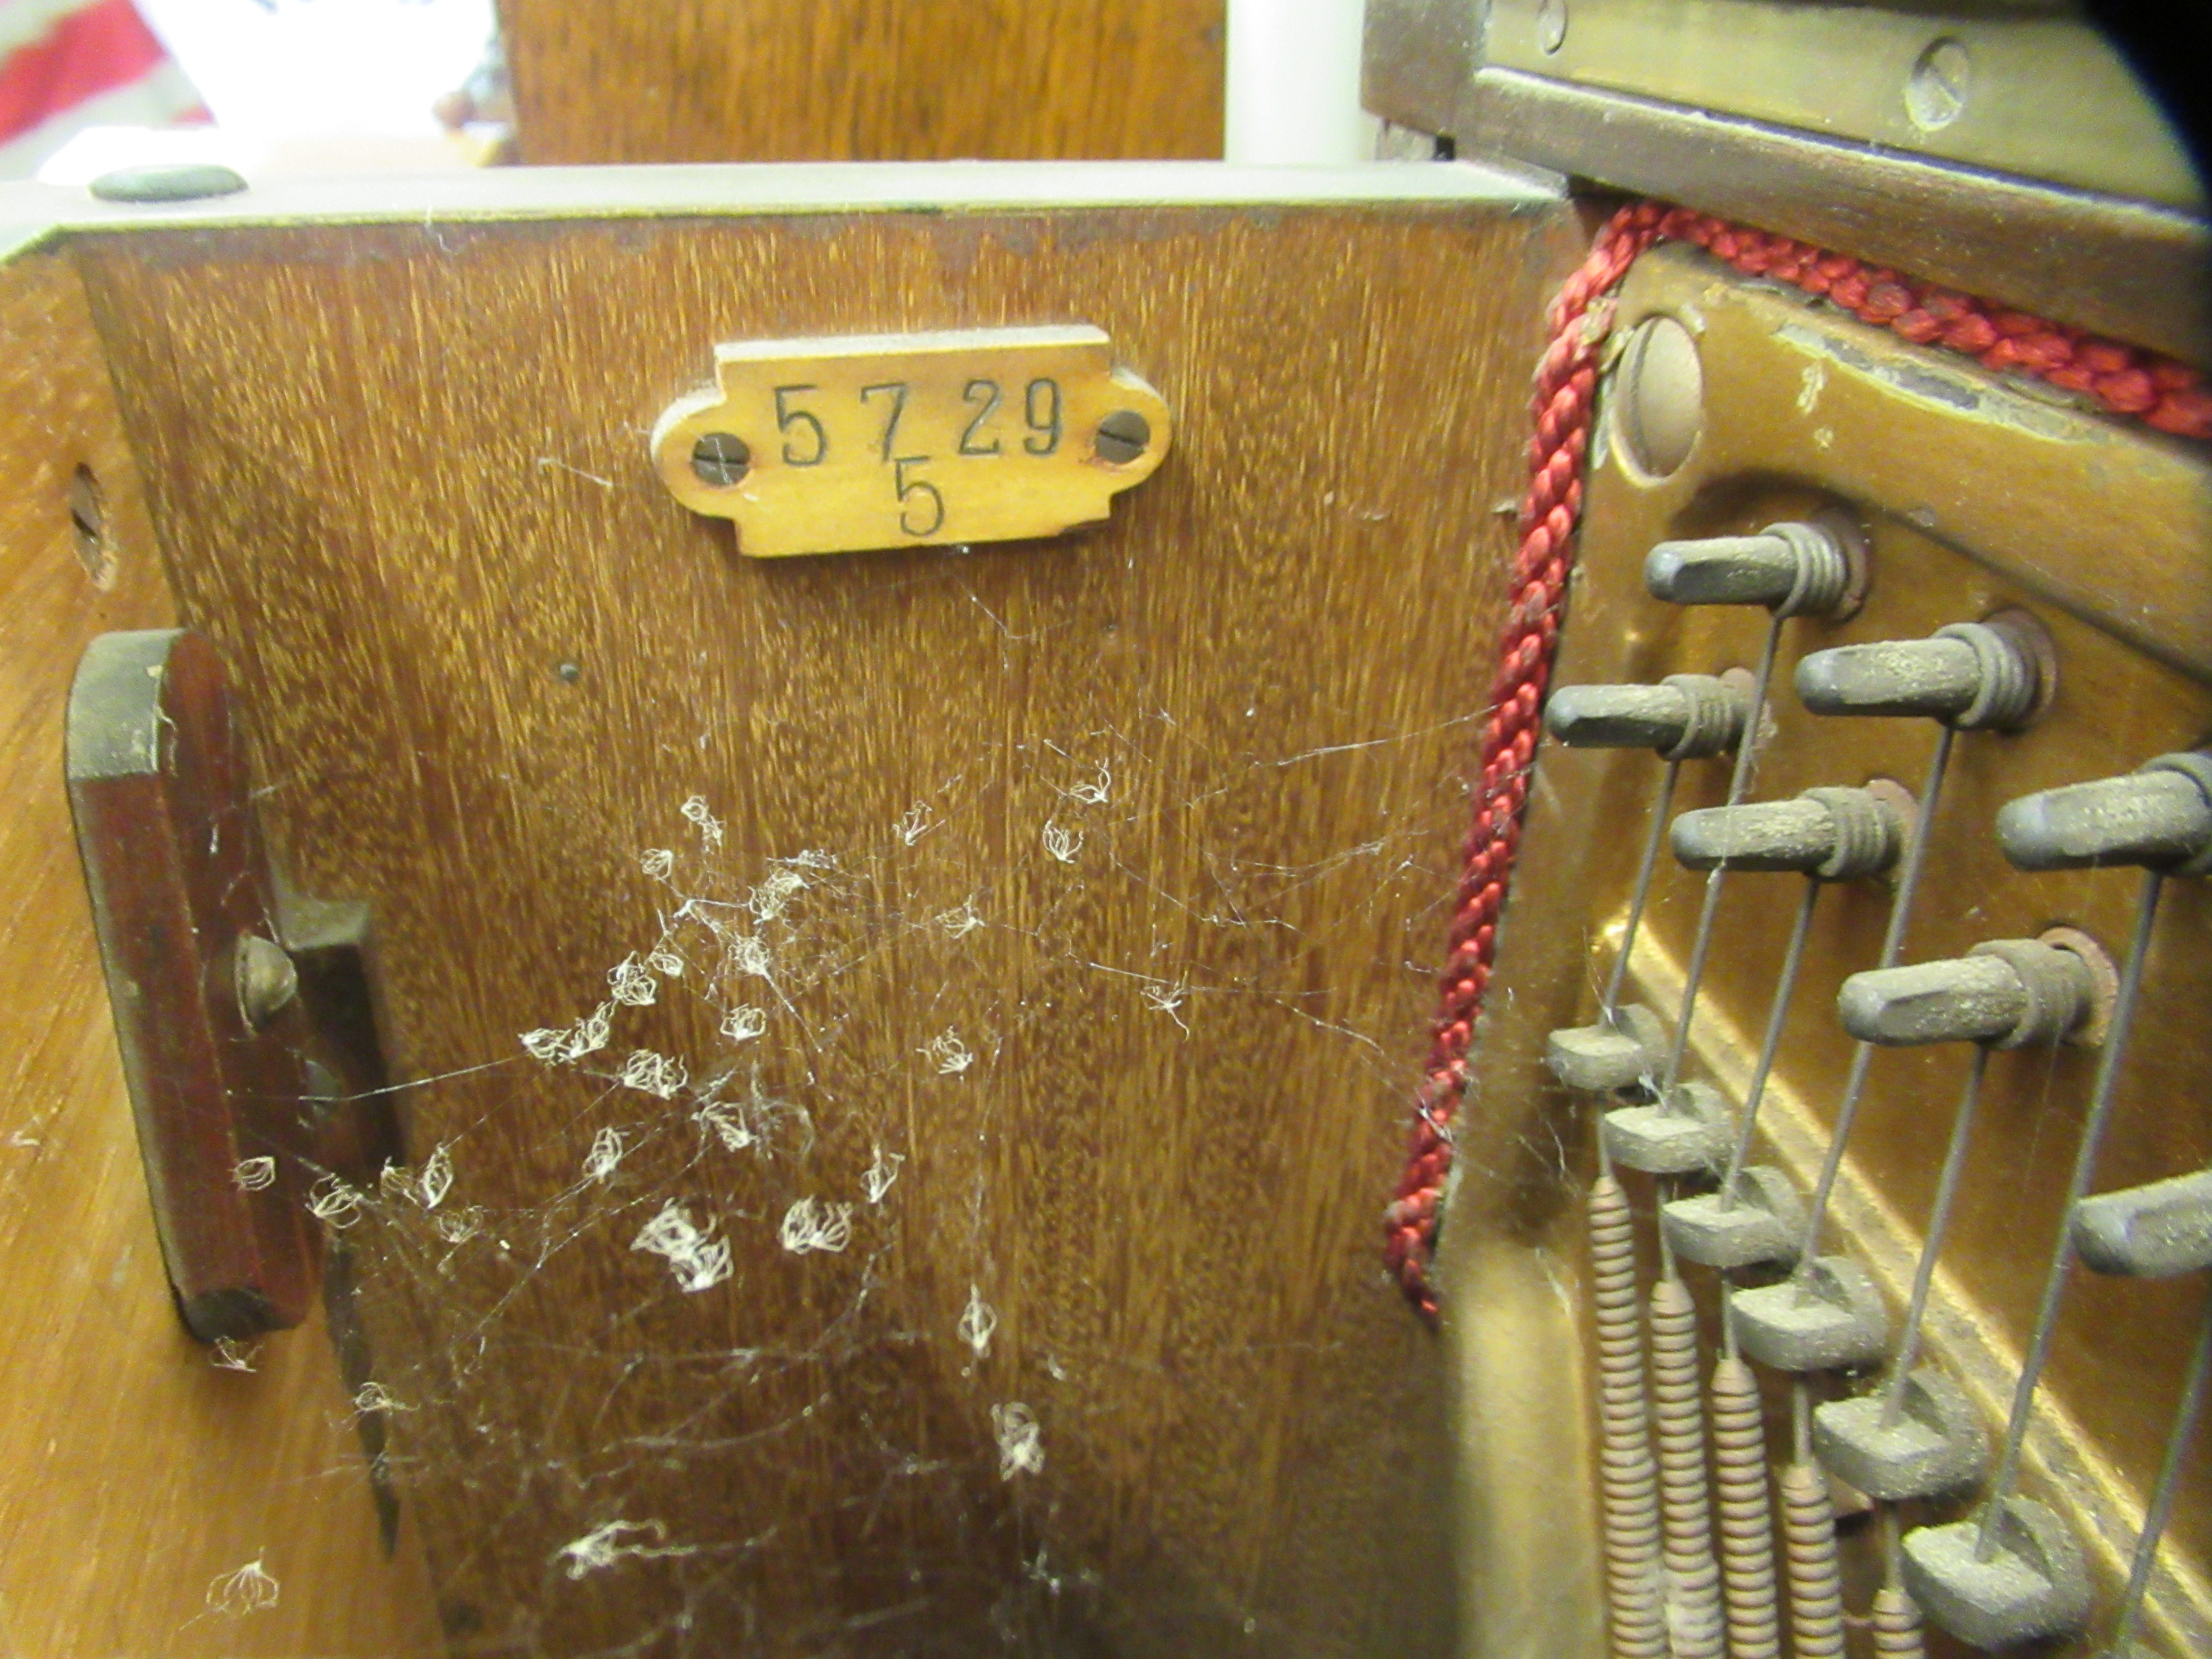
651	1302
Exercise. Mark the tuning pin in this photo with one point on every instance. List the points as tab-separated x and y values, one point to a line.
2025	1580
1836	834
1793	569
1828	1316
2007	992
2155	1231
1969	675
1928	1440
2160	816
1684	717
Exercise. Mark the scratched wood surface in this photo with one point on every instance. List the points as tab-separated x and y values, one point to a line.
133	1473
1112	876
858	80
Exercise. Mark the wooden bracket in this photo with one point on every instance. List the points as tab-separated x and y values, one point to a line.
222	1013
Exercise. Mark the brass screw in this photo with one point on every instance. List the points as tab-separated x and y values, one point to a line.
267	981
1122	436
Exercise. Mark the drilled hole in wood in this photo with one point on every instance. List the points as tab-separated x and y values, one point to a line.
88	522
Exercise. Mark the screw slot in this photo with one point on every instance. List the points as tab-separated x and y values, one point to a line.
721	458
1935	91
1552	25
1123	437
87	510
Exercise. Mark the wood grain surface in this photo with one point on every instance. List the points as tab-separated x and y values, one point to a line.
134	1476
860	81
1097	880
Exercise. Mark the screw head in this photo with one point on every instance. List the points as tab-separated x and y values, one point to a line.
1658	403
1552	25
267	981
186	181
1122	436
720	458
1935	91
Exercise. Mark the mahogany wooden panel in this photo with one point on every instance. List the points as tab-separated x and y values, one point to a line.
1100	881
135	1476
862	81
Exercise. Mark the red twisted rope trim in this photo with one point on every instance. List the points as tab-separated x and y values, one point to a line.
2124	380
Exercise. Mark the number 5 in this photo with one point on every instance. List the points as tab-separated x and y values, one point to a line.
910	491
787	418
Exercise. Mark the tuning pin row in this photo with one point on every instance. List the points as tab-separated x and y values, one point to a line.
2013	1572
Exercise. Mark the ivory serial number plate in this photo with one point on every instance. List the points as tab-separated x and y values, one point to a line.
833	446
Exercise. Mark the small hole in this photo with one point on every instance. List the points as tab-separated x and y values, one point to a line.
87	510
1658	399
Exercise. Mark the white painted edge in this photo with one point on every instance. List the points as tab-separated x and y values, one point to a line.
30	214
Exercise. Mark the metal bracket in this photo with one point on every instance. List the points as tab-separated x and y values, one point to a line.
237	1050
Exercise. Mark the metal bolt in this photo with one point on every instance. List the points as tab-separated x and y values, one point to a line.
267	982
189	181
2160	816
1658	393
1684	717
720	458
2008	993
1552	25
1793	569
1935	91
1122	436
1970	675
1837	834
2155	1231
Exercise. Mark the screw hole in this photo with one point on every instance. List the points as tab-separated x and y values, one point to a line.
1123	437
88	511
721	458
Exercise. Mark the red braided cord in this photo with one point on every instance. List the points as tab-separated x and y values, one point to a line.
2126	380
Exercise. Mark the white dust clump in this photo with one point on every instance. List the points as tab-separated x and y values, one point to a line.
249	1589
586	1037
710	826
372	1397
1167	998
773	895
1062	844
630	983
1095	793
229	1357
881	1174
657	862
659	1075
607	1543
698	1261
728	1124
946	1052
961	922
812	1225
255	1175
744	1023
665	962
606	1155
332	1200
750	955
914	823
436	1179
977	1323
1021	1442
